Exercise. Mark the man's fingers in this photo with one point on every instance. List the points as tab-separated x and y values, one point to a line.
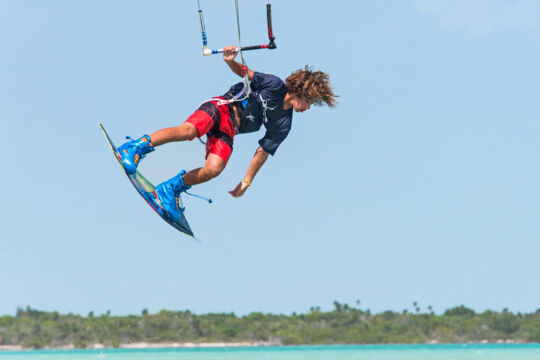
237	192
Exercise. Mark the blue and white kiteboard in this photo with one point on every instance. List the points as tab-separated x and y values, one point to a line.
147	191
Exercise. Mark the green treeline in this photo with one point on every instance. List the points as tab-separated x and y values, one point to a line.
344	325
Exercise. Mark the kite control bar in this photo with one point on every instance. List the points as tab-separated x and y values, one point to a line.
270	45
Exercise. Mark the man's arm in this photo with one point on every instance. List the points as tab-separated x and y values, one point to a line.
256	163
229	54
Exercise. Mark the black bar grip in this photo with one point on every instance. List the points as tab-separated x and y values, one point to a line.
254	47
271	44
269	20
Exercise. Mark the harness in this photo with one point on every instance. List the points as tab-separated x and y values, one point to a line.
212	110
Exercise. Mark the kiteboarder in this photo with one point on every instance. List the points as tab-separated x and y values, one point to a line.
271	103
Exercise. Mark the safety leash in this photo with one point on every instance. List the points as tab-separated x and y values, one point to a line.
199	197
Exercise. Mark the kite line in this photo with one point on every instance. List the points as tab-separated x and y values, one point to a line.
271	44
246	90
243	95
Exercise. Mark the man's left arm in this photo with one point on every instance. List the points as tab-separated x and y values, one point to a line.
229	54
254	166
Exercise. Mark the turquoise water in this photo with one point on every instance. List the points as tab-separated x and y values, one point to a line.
350	352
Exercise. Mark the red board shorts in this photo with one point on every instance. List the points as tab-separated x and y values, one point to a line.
215	121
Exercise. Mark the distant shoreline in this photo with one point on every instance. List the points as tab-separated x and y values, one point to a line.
144	345
34	329
191	345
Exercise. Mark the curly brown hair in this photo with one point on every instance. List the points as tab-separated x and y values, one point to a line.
311	85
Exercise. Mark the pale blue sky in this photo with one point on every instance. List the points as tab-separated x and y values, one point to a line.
421	186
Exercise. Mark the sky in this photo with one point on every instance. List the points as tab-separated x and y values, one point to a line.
422	185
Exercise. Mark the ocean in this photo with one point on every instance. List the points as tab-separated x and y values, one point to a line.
330	352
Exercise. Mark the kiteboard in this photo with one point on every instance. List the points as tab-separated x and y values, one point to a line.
147	191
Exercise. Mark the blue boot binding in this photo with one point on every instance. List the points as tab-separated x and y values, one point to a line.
168	193
133	152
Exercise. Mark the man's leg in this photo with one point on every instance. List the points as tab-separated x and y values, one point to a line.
213	167
168	191
198	124
186	131
133	151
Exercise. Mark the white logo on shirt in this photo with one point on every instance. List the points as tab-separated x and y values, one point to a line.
250	117
265	107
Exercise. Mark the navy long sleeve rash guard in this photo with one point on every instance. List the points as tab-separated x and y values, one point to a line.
264	107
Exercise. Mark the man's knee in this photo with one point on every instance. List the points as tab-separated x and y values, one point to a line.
188	131
214	165
213	170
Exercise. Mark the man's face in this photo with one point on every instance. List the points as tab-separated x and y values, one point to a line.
300	104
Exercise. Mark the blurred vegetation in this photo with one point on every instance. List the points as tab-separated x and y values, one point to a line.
31	328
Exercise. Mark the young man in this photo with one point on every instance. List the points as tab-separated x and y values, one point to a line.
271	103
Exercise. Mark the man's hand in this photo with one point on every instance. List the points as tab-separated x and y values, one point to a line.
229	53
239	190
258	160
